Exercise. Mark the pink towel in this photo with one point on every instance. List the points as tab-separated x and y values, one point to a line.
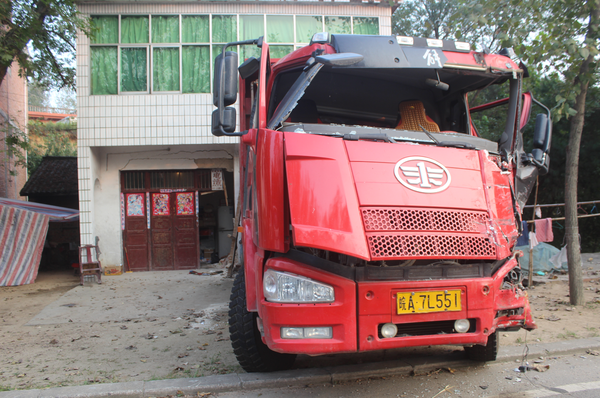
543	230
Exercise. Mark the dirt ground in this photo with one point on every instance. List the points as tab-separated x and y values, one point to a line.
158	325
141	326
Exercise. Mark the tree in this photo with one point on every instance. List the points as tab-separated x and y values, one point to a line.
560	38
463	20
49	27
65	98
37	94
425	18
39	35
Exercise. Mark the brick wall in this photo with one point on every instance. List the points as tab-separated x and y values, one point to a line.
13	103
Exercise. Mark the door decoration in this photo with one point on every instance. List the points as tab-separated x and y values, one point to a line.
185	204
197	208
173	190
217	179
148	207
161	204
135	205
122	212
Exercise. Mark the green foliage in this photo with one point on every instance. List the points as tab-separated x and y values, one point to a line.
554	37
66	98
37	95
49	139
491	122
425	18
17	146
551	189
479	22
49	27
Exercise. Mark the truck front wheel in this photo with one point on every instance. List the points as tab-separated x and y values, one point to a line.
248	347
484	353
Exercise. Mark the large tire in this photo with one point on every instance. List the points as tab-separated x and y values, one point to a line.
484	353
252	354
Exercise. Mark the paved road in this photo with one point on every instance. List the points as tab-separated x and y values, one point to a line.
574	375
572	372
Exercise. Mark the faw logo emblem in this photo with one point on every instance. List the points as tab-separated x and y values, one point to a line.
421	174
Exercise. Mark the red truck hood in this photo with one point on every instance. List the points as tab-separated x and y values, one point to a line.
412	175
332	183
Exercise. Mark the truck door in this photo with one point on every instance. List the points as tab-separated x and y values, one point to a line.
488	119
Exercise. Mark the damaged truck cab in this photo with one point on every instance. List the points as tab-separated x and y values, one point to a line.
380	209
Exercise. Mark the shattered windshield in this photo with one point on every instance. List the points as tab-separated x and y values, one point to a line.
374	97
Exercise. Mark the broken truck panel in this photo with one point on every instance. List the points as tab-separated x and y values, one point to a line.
376	213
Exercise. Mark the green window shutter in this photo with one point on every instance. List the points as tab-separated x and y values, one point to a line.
224	28
165	29
134	69
366	26
194	29
134	30
166	69
196	69
106	30
339	25
251	27
104	70
307	26
280	29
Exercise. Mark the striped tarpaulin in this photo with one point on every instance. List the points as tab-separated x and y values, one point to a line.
57	214
22	236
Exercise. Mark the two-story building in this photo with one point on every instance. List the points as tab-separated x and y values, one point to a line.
155	186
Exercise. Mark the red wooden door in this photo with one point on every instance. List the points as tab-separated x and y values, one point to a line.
185	231
135	236
161	231
174	231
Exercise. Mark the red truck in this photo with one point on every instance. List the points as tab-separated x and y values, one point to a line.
382	181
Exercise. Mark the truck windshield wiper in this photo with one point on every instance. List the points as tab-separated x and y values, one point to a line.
447	144
369	136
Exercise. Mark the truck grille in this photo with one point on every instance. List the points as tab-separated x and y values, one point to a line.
386	219
395	233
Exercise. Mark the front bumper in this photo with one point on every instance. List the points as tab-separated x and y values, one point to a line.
360	308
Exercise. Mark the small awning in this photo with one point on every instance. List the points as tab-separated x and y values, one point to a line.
56	214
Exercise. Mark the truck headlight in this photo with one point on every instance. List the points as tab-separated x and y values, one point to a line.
283	287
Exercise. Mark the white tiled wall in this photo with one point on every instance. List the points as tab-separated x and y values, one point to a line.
166	119
84	176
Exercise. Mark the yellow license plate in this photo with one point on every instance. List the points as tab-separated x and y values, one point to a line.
429	301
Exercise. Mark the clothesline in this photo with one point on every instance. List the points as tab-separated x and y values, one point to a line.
593	202
562	218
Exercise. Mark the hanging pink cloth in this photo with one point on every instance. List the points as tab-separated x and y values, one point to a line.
543	230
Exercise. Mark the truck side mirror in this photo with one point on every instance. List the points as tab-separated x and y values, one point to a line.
230	79
227	125
542	135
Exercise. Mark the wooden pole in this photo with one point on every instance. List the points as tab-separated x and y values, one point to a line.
236	221
225	188
537	185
